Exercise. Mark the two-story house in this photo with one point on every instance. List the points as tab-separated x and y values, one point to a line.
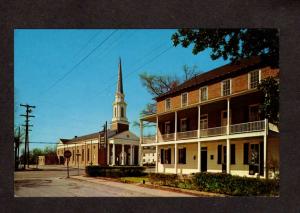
211	123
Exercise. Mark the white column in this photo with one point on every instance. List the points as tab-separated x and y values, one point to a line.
108	154
140	145
228	156
175	132
131	155
199	156
123	156
199	118
114	154
228	115
156	136
175	158
156	163
265	149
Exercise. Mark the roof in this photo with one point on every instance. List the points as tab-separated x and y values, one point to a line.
218	73
110	133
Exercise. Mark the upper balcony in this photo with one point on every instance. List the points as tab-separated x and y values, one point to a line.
249	127
209	120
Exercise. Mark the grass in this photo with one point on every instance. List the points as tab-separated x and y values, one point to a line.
135	179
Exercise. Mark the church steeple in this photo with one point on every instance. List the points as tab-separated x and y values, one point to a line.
120	81
119	120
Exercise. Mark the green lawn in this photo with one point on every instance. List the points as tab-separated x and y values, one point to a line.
135	179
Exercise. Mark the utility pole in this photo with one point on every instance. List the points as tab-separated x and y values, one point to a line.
27	125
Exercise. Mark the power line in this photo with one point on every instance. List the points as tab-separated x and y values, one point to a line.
86	44
148	62
77	64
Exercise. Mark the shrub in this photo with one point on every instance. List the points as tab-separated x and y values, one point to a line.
235	185
114	171
164	179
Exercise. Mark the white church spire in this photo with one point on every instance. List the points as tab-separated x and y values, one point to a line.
119	105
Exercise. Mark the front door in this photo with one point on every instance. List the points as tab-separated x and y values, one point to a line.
254	161
203	159
224	118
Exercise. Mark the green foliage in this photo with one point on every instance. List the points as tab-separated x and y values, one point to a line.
233	44
115	171
235	185
270	106
219	183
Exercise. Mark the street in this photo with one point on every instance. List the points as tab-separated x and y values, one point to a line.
51	181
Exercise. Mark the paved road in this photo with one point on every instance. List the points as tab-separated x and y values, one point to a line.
52	182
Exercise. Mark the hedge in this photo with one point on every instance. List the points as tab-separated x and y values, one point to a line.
219	183
235	185
114	171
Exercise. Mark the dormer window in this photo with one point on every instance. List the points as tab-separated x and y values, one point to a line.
168	103
203	93
184	99
226	87
254	79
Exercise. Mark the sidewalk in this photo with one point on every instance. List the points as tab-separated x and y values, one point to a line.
107	181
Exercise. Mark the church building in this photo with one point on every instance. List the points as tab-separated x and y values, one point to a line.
111	146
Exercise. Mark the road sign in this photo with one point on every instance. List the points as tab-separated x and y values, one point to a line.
67	154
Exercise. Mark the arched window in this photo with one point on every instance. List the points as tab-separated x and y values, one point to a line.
115	111
122	112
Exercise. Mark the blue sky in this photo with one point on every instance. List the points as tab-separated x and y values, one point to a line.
82	100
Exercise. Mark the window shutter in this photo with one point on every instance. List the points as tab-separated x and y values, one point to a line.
169	156
246	153
232	153
162	156
219	154
184	155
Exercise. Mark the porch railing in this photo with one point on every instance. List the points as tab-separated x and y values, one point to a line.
187	134
247	127
215	131
149	139
168	137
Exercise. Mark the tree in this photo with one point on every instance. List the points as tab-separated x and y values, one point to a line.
270	106
233	44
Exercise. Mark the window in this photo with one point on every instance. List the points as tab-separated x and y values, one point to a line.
183	125
82	155
254	79
167	127
168	103
122	112
115	111
165	156
222	155
73	155
226	87
182	155
253	113
203	92
203	122
184	99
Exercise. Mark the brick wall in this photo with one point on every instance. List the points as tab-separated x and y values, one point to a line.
193	96
214	90
239	83
268	72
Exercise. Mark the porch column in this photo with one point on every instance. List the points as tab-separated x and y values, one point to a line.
228	156
108	154
156	163
175	158
140	145
131	155
123	155
199	118
265	149
199	156
156	135
175	132
228	116
114	154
